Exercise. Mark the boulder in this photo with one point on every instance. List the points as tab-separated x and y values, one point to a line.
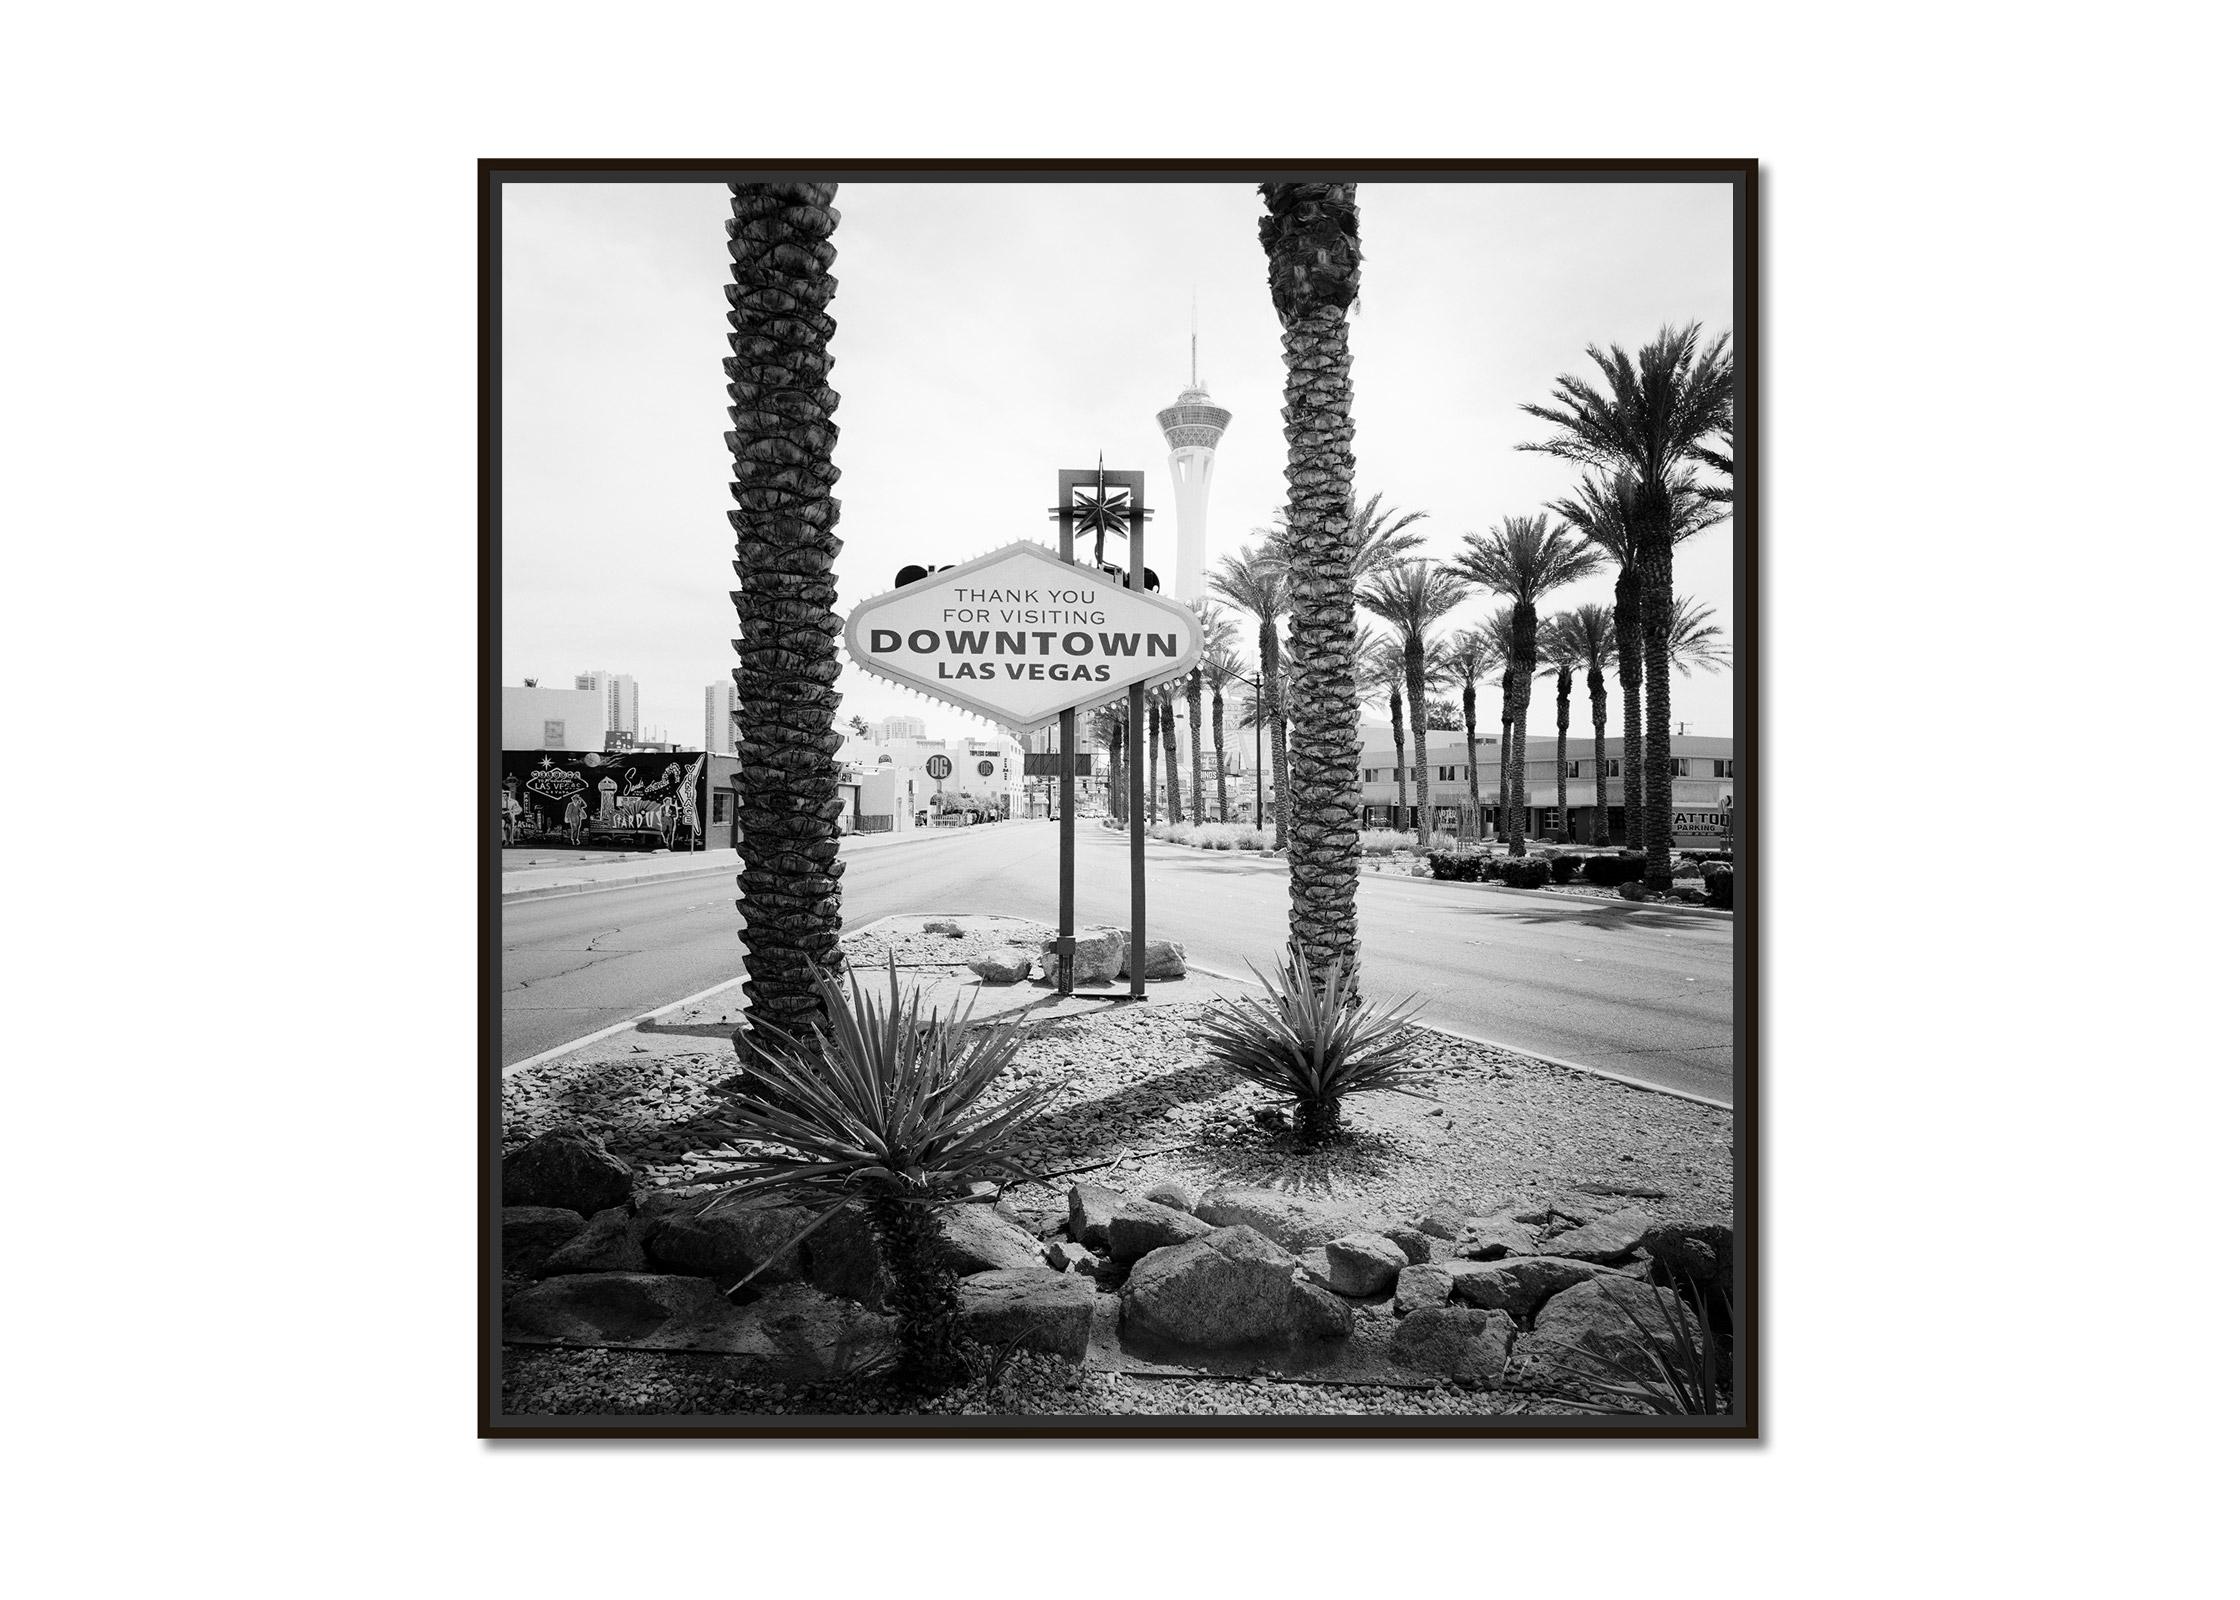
726	1245
792	1335
1089	1208
1415	1245
1364	1264
1490	1238
1700	1252
1172	1192
1287	1220
568	1168
1519	1285
1440	1222
1316	1313
612	1241
1011	966
1602	1332
842	1258
529	1234
1040	1218
975	1239
610	1307
1051	1311
1138	1227
1231	1287
1420	1287
797	1334
1457	1342
945	928
1607	1239
1566	1208
1162	959
1098	955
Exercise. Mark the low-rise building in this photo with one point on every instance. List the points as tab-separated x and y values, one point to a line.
1703	784
532	717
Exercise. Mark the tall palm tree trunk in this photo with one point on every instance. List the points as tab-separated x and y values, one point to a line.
1116	769
1598	700
1501	777
1567	833
1174	769
1197	761
1220	754
1271	717
789	628
1311	236
1416	694
1626	619
1520	694
1655	561
1399	758
1470	747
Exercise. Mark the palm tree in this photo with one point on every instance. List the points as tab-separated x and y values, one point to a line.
1219	632
1559	663
1166	741
789	625
1253	582
1387	669
1470	656
1412	597
1110	724
1693	639
1312	238
1587	637
1662	404
1524	560
1222	664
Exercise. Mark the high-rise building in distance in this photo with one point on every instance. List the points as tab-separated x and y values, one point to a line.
621	691
719	718
899	728
1193	426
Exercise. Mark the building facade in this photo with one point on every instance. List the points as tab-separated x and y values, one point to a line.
531	717
620	692
1703	784
989	770
719	714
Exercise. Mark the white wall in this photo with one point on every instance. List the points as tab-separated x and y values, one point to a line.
523	713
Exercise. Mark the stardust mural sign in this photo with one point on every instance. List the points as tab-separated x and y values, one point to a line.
1019	636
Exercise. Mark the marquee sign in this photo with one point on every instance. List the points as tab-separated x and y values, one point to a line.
1019	636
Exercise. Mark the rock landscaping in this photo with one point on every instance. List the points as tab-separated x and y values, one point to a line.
1512	1247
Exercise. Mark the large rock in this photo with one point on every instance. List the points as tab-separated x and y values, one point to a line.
1491	1238
612	1241
842	1258
1138	1227
611	1307
797	1334
1440	1222
1364	1264
529	1234
1042	1309
1233	1287
1098	955
1063	1255
1285	1219
1699	1252
1602	1332
975	1239
1458	1342
1089	1208
1415	1245
1566	1208
568	1168
792	1335
729	1244
1172	1192
1420	1287
1009	966
1518	1285
945	929
1162	958
1607	1239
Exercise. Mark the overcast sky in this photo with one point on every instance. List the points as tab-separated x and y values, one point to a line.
989	334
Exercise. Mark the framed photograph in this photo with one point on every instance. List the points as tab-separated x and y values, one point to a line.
1219	897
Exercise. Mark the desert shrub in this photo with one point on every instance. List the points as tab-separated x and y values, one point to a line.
1314	1041
1383	841
880	1104
1521	872
1564	866
1718	883
1454	866
1607	872
1633	889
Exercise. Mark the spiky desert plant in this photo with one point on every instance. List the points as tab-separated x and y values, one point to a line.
1679	1346
880	1103
1314	1041
788	675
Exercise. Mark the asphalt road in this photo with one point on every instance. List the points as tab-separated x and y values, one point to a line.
1640	990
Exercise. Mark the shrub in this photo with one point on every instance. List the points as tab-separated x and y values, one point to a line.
1521	872
1454	866
1633	889
1685	868
1564	867
1314	1041
880	1104
1718	883
1608	872
1383	841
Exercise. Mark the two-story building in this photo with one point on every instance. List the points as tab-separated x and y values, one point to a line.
1703	784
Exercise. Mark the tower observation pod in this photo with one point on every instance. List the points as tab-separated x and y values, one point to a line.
1193	426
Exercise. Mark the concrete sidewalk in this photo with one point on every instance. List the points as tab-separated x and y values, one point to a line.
577	872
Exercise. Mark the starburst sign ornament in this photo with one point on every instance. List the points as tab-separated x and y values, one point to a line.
1018	636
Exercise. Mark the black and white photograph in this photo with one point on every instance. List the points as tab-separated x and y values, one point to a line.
1119	800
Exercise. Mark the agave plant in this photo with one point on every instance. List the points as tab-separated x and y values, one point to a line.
880	1104
1678	1364
1314	1041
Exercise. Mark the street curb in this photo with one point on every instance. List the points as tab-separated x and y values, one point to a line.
1520	1050
554	890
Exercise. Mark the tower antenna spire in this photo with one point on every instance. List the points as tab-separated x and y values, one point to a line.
1193	336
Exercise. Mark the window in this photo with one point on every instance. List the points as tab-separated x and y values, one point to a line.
555	734
1679	766
723	806
1368	774
1551	820
1722	769
1575	770
1613	769
1446	774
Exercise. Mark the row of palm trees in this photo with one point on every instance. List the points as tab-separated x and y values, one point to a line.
1653	442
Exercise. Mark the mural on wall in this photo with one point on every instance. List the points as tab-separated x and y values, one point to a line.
594	797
